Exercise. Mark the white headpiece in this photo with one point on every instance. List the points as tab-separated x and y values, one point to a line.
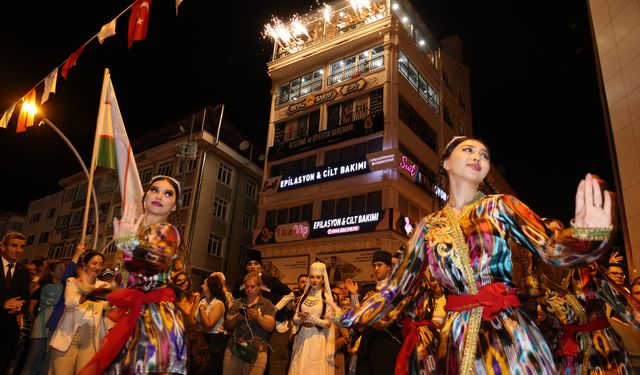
320	268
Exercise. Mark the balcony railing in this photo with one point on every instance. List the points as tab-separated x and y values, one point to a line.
354	71
306	89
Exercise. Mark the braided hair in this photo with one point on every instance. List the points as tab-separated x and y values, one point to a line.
324	304
440	176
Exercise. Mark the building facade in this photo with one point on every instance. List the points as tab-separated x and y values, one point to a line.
363	103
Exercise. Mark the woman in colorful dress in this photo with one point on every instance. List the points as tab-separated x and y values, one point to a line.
149	335
576	309
465	246
314	343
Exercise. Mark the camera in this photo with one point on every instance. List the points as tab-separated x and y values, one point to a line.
242	310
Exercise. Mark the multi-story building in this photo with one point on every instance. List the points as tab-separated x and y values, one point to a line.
217	211
11	222
364	100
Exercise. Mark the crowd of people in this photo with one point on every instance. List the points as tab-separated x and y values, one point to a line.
445	303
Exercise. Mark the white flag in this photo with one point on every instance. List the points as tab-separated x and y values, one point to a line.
114	148
107	30
49	85
6	116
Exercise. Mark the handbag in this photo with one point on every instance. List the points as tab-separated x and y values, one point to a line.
247	354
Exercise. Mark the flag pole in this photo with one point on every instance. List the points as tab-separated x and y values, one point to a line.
92	167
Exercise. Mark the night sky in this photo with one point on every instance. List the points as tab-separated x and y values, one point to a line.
535	96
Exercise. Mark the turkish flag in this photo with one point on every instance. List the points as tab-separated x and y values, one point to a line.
139	20
71	62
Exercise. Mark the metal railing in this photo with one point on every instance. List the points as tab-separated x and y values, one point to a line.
364	67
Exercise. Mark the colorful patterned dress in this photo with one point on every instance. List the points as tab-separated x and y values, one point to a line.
158	343
599	351
466	252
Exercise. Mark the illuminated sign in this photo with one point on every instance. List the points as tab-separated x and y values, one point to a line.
311	101
351	224
329	172
353	87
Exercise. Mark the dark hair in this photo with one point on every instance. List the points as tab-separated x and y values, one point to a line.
324	303
635	281
47	278
90	254
300	276
442	173
216	289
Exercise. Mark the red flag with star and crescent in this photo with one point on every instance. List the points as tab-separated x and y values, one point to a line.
139	21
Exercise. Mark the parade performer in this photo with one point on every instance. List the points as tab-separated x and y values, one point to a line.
465	246
149	332
576	309
314	343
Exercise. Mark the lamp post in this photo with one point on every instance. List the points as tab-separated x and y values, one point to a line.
86	172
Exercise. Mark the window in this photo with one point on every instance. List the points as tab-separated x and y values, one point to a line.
186	198
410	209
352	151
427	91
145	175
352	205
224	174
252	189
70	193
354	109
293	166
247	221
191	165
328	208
299	87
30	239
76	218
270	219
214	245
166	168
63	222
82	191
410	117
297	127
35	217
242	254
44	237
353	66
220	208
51	212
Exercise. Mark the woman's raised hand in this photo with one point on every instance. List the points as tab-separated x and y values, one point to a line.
128	224
593	206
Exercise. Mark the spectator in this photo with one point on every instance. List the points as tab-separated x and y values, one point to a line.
69	271
635	290
209	315
39	356
82	325
15	291
252	319
187	298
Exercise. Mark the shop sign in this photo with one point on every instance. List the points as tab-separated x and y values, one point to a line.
353	87
369	125
311	101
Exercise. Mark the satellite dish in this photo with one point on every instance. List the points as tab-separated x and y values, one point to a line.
244	145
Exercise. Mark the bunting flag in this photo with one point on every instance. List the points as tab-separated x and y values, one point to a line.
71	61
114	150
107	30
49	85
139	21
6	116
27	112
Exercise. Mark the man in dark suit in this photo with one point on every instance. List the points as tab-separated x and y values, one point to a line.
333	270
14	283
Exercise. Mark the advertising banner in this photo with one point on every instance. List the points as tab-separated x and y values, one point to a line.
286	268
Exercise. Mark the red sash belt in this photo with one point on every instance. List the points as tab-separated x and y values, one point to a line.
410	333
569	344
494	297
129	306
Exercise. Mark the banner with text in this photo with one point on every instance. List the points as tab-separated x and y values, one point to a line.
286	268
